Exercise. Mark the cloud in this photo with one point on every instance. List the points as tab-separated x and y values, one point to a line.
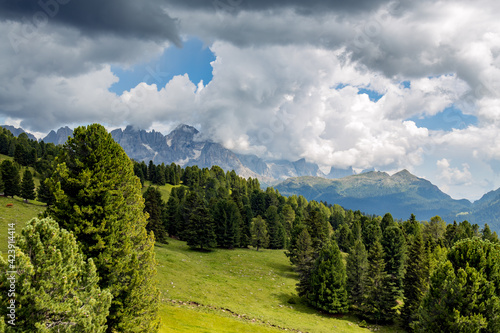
95	18
454	176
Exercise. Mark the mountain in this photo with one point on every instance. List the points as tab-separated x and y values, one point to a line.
59	137
183	146
16	131
378	193
484	210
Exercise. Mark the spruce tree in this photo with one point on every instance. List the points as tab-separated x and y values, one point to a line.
44	194
98	198
56	288
155	207
10	178
27	186
394	245
357	266
199	231
327	281
415	280
376	306
173	216
260	236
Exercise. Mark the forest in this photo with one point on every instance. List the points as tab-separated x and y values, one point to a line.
99	231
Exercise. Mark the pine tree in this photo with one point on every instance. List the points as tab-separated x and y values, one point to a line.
199	231
27	186
98	198
415	281
260	236
463	294
376	307
10	178
357	266
173	216
155	207
56	288
328	281
44	194
394	245
302	256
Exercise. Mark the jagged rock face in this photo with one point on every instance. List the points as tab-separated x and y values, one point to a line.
59	137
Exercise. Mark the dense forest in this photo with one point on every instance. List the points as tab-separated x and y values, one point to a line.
426	276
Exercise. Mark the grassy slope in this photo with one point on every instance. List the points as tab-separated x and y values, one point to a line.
246	282
19	213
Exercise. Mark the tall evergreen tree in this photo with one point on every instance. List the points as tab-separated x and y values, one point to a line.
415	280
98	198
328	281
173	216
44	194
260	236
376	305
394	245
199	231
10	178
302	256
56	288
155	207
357	266
27	186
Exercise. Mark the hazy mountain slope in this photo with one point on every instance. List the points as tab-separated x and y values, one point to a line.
16	131
378	193
59	137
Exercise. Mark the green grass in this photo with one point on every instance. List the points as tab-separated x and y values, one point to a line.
164	190
188	320
254	285
19	213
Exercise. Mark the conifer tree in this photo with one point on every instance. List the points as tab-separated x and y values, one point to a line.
199	230
463	294
376	305
173	216
302	256
415	280
328	281
10	178
98	198
260	236
44	194
27	186
155	207
56	289
394	245
357	266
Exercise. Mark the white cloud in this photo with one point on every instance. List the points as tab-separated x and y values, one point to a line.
454	176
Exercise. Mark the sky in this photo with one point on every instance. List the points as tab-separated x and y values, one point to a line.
378	84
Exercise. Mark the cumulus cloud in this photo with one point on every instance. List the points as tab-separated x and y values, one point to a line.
454	176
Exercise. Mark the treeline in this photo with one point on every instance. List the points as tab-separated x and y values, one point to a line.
28	152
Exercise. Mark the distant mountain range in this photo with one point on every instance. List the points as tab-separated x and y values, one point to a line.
370	192
401	194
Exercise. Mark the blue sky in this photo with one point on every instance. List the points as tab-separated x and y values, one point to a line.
193	58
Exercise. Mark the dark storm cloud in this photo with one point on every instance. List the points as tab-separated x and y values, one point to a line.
138	19
304	7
